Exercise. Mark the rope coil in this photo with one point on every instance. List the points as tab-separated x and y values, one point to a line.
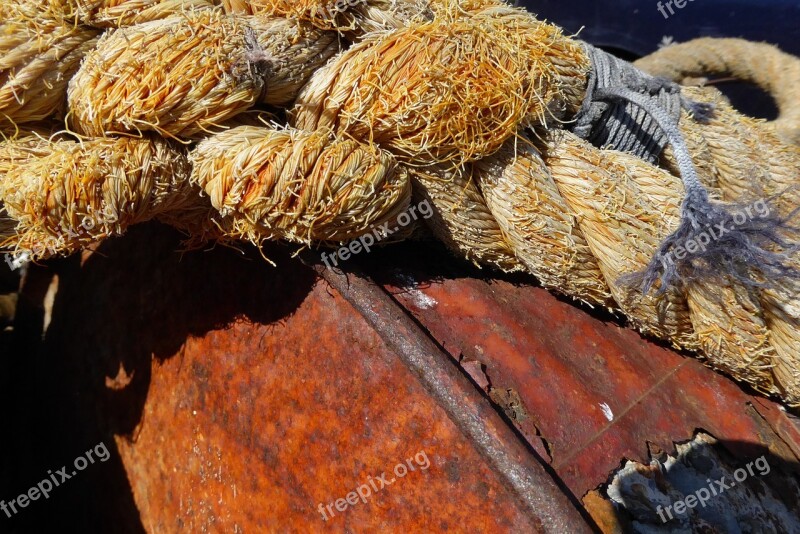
37	60
776	72
66	194
187	74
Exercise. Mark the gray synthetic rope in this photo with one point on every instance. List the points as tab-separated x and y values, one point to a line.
668	128
621	125
628	110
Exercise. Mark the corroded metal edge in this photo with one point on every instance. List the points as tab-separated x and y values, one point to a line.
549	506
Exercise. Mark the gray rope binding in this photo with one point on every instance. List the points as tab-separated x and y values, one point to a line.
620	125
628	110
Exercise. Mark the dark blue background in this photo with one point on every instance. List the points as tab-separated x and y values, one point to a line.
637	26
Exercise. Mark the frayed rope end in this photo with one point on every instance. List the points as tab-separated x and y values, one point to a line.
701	112
743	242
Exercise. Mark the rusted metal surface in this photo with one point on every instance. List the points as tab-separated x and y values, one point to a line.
782	424
593	391
240	396
546	503
263	423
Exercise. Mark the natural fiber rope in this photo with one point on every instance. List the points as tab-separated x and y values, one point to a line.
187	74
449	97
66	195
121	13
450	90
538	224
748	160
109	13
354	18
743	252
37	59
765	65
298	186
461	219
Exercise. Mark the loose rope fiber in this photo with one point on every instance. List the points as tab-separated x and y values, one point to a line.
298	186
354	18
471	105
447	90
110	13
765	65
121	13
187	74
66	194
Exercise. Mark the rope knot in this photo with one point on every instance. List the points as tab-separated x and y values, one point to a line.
630	111
619	124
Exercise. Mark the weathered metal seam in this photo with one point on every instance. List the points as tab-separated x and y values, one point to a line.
548	506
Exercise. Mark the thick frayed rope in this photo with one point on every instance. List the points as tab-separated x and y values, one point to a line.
631	111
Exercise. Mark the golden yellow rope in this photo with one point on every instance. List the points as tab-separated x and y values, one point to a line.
37	59
298	186
67	194
187	74
449	90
